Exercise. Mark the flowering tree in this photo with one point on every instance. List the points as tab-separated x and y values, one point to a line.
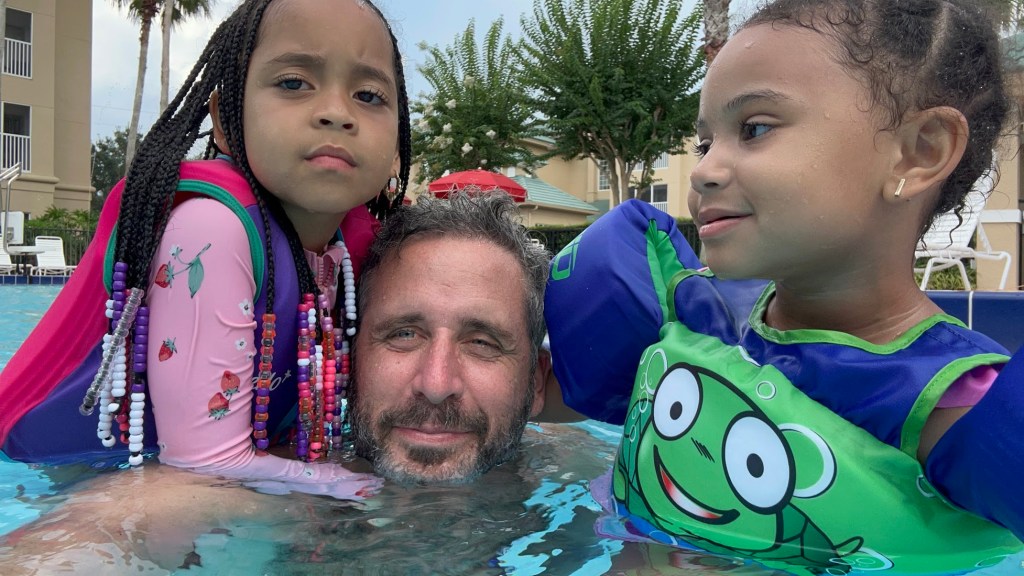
615	80
477	114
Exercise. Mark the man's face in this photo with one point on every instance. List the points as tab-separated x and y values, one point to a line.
443	379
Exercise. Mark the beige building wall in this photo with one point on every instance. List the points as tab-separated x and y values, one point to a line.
59	96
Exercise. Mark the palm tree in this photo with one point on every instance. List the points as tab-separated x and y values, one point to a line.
143	11
716	27
182	10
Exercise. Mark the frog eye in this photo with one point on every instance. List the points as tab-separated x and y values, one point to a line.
758	465
676	403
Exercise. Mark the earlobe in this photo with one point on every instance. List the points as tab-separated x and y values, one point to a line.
219	137
932	144
542	377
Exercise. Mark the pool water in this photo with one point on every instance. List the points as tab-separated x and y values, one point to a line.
531	516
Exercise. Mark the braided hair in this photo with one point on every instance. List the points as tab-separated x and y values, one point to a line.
153	175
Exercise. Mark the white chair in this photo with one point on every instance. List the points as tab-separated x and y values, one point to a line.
51	260
6	264
947	242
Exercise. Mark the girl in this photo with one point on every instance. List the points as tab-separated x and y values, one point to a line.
807	423
230	266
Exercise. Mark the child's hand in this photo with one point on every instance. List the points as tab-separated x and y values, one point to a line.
339	483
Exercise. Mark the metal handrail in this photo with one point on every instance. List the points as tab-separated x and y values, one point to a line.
7	178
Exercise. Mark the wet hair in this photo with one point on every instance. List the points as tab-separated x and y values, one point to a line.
488	216
153	176
913	55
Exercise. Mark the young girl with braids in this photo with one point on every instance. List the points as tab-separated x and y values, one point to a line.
232	284
833	419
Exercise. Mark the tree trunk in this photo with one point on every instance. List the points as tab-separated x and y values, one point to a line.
133	128
165	56
716	27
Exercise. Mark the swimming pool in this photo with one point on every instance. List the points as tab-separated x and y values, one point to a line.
531	516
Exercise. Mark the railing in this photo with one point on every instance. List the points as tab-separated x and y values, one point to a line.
17	58
663	206
18	149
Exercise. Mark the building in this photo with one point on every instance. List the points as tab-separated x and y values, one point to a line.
46	92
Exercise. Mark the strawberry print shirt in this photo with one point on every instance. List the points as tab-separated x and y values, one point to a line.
201	349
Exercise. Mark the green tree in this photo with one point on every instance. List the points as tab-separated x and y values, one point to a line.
143	12
180	11
615	80
108	166
477	114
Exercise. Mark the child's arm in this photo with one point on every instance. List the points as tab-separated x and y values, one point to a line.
979	461
605	304
201	349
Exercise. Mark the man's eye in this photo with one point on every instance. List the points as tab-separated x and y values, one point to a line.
403	334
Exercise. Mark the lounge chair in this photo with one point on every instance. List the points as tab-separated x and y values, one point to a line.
947	242
51	260
6	264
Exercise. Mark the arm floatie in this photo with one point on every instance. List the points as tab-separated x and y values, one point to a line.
978	462
605	304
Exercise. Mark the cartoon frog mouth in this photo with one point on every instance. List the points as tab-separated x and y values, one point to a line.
686	503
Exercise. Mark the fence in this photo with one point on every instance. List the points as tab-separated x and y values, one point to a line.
555	238
75	240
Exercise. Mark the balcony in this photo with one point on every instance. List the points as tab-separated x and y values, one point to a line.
663	206
17	58
16	149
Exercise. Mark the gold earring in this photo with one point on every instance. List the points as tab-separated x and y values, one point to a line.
899	188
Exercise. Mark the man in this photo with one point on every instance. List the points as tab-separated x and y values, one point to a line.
446	369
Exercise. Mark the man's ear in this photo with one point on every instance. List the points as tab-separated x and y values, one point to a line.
541	376
218	129
932	142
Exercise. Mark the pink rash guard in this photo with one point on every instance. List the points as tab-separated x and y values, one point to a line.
213	331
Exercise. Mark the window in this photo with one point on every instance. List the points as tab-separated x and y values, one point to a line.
661	162
17	136
603	182
18	43
654	194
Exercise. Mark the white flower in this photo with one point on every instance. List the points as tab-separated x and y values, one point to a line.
468	81
446	128
422	125
428	110
483	161
246	307
175	250
240	344
491	134
451	104
466	148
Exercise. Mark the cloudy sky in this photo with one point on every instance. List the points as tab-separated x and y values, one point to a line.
116	48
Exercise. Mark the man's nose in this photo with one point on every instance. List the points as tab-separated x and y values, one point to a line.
440	375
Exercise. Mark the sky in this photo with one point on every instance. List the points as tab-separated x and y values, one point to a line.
116	48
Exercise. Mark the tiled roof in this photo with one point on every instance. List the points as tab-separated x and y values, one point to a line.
541	193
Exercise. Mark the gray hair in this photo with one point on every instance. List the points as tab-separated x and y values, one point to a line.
490	216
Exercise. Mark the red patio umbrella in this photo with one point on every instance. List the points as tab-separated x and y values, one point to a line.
481	179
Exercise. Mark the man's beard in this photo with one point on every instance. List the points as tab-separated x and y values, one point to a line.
448	415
